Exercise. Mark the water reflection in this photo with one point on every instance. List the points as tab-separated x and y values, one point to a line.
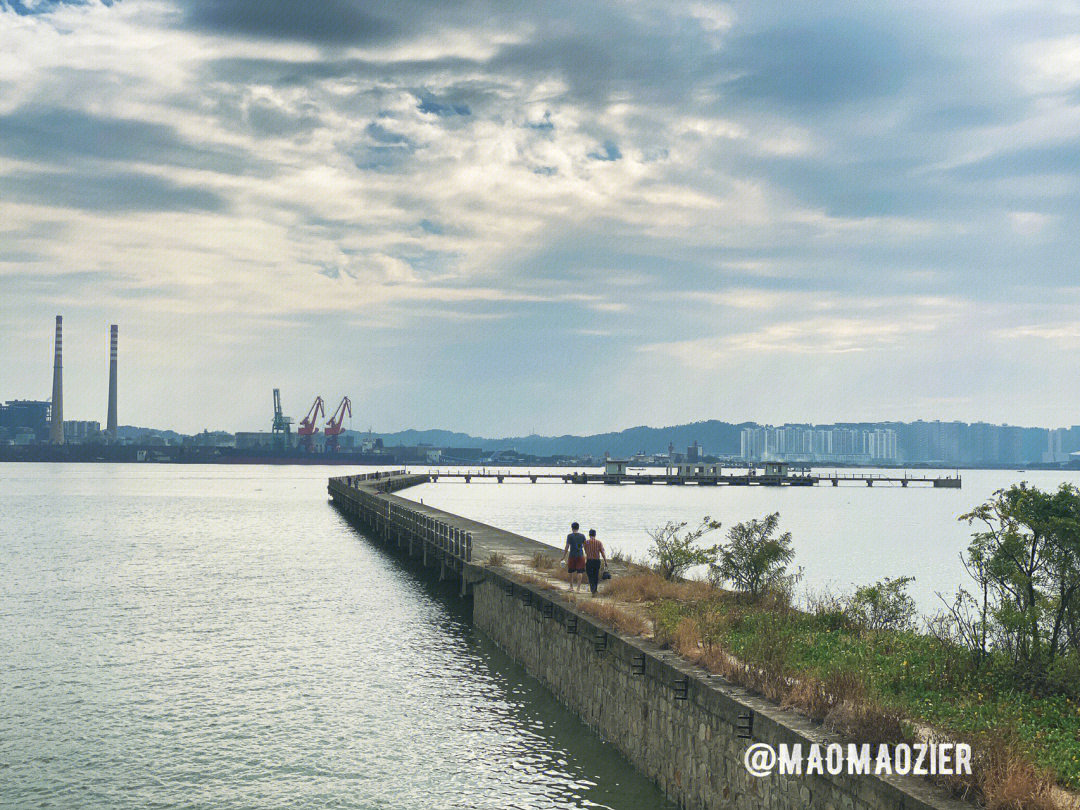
220	638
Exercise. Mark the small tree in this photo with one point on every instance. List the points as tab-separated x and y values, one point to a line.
885	605
1027	562
755	558
674	551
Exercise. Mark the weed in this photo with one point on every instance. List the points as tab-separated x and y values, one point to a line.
621	619
542	562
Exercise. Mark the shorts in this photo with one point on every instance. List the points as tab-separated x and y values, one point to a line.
575	565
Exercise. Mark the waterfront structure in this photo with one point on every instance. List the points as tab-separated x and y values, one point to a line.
679	724
56	423
111	423
257	440
25	421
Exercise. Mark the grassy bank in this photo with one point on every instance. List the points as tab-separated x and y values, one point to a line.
872	685
999	668
868	685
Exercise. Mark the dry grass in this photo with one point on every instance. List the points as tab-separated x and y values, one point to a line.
1004	779
496	559
686	641
560	573
867	722
648	586
539	582
841	702
542	562
621	620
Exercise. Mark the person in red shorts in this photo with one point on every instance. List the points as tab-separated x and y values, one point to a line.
574	554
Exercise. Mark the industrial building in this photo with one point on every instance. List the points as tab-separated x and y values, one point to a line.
25	421
33	422
81	432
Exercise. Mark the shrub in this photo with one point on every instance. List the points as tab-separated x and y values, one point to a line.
674	551
755	558
829	610
542	562
885	605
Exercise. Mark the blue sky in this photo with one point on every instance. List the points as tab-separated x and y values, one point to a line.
502	217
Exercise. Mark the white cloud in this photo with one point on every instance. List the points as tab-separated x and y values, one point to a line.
644	180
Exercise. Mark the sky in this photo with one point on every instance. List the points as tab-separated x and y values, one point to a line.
506	218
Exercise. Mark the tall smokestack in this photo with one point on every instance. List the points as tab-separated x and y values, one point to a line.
111	427
56	429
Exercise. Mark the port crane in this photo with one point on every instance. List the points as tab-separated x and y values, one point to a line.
333	427
282	426
307	427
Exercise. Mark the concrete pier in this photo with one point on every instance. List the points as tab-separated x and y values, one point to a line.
441	539
680	725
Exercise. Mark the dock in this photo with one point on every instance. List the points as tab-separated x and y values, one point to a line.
454	544
735	479
683	726
458	546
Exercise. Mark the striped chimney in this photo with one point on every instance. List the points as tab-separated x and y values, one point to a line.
111	424
56	427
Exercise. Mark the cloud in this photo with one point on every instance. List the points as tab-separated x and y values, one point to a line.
607	152
334	22
62	135
825	61
107	192
724	184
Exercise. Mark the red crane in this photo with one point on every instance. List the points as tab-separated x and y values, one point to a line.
333	427
307	427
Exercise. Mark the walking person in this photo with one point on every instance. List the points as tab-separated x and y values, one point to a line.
594	552
574	554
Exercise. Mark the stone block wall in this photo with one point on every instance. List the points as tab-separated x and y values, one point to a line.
673	721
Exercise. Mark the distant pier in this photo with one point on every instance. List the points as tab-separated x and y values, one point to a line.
751	477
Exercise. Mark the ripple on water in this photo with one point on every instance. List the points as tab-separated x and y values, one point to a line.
219	637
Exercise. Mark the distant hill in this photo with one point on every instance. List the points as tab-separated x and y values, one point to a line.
137	433
715	438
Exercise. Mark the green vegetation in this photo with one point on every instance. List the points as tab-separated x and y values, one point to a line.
755	558
885	605
674	551
1026	565
916	676
1000	668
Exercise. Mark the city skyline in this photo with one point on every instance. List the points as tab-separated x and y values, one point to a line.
501	218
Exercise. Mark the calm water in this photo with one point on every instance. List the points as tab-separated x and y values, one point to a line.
218	637
843	537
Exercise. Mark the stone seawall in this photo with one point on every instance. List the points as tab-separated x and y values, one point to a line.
682	727
674	722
